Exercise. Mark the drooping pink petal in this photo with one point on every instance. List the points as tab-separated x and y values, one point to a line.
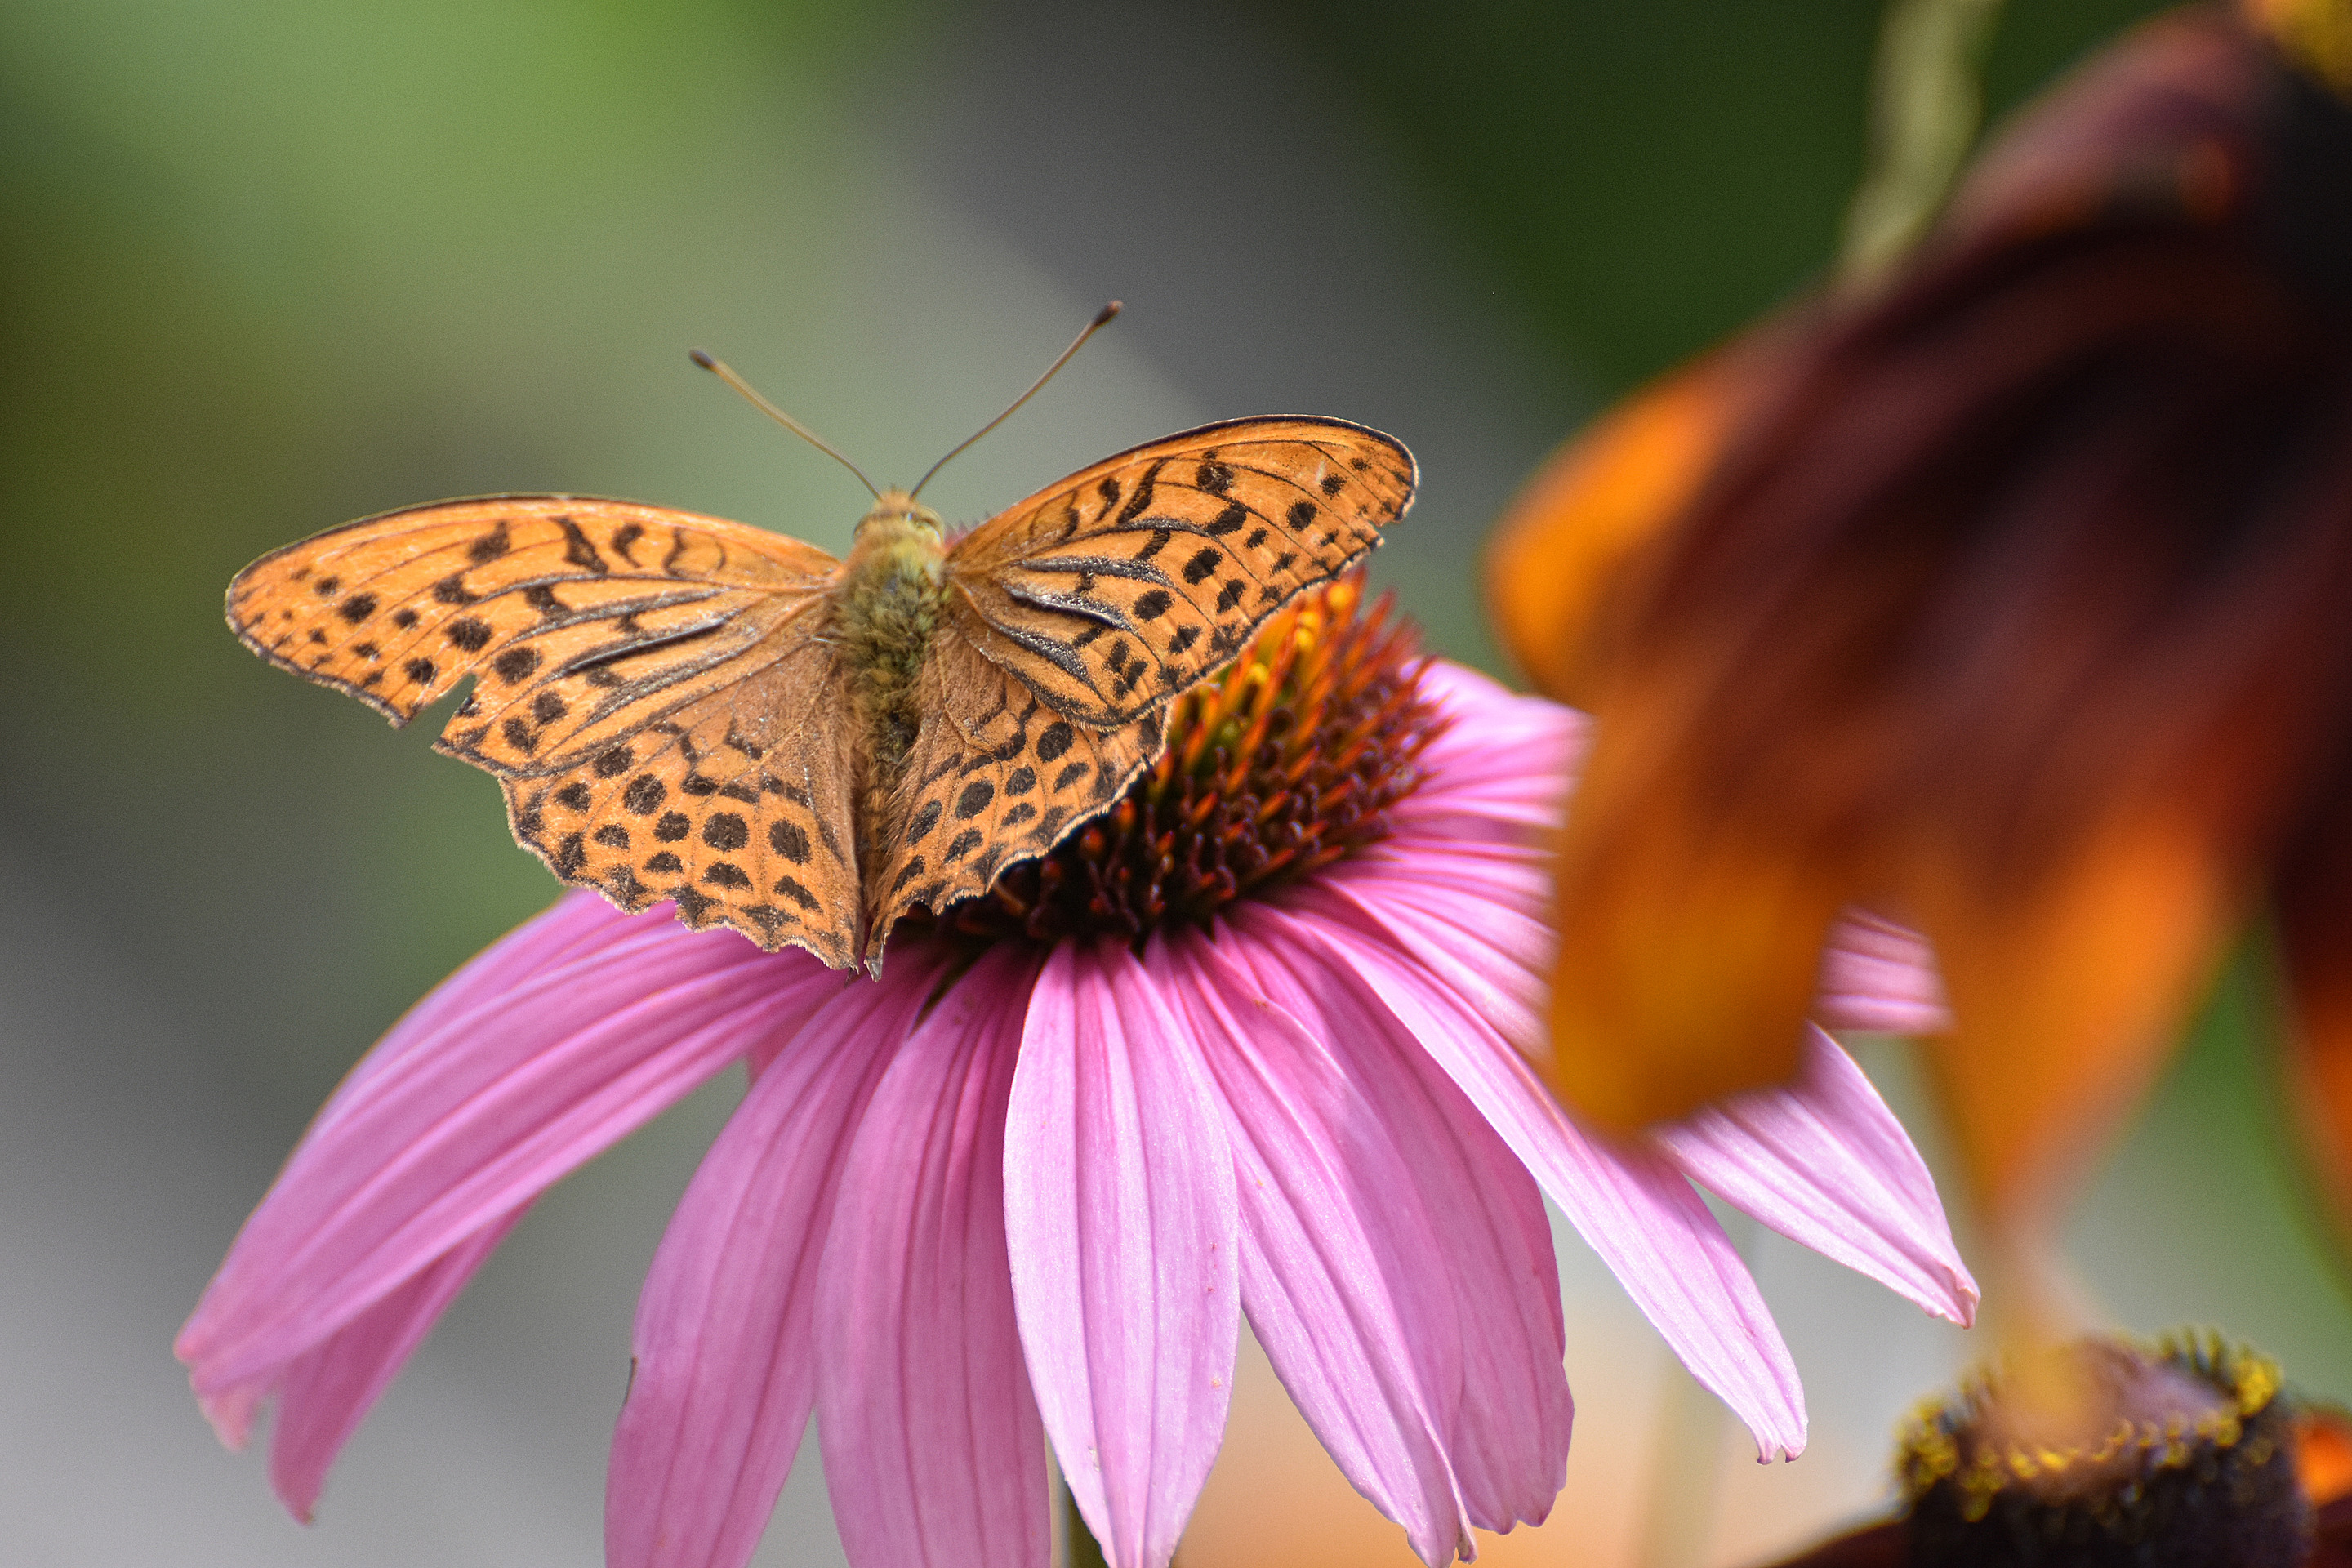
1628	1202
1396	1261
1510	1427
1358	1323
328	1389
933	1450
725	1363
1121	1217
1497	958
1825	1163
472	1115
1881	977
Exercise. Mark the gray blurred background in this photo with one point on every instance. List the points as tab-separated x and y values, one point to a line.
271	265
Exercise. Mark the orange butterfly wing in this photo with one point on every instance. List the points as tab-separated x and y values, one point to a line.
1129	582
652	689
1076	616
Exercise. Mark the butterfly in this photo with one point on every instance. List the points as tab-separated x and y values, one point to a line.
807	749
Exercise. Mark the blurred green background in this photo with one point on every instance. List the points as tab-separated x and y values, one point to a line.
271	266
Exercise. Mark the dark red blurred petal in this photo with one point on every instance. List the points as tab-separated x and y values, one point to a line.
2014	608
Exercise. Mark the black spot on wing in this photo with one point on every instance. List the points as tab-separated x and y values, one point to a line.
1142	497
578	550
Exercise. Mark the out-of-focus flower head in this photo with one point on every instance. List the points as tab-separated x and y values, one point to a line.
1245	1043
2187	1453
2010	596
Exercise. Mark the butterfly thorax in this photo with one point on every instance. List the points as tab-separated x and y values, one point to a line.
885	612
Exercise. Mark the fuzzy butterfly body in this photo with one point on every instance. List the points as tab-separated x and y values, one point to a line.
682	707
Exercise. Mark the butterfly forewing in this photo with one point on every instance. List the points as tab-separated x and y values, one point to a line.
536	593
995	776
1128	582
623	655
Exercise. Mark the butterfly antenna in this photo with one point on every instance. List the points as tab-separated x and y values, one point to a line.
1102	320
719	368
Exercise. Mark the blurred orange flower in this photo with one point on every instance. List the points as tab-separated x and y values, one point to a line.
2012	599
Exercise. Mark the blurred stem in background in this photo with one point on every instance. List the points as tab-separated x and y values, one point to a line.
1927	103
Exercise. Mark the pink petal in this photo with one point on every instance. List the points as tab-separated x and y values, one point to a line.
1511	1425
1497	960
1628	1202
1331	1285
1396	1263
1122	1221
725	1366
933	1450
1825	1163
470	1116
1497	770
329	1388
1881	977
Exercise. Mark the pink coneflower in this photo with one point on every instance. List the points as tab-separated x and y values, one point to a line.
1243	1046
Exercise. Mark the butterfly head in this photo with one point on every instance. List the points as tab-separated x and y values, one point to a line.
897	513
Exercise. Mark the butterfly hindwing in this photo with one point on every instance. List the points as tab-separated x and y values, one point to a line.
1132	580
736	808
994	777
